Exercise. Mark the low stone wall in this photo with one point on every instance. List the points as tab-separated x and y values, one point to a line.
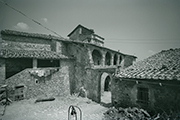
55	84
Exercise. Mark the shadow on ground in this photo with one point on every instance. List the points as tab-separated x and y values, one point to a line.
107	105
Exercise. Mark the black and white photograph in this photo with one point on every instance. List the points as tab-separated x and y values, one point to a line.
89	59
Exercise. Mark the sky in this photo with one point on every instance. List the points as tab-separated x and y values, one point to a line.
135	27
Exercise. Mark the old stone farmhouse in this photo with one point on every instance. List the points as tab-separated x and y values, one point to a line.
35	65
153	83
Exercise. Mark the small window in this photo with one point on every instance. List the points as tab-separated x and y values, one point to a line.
143	95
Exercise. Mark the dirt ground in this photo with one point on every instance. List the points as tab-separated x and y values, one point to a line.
53	110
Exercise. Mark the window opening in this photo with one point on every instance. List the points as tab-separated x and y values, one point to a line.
19	92
143	95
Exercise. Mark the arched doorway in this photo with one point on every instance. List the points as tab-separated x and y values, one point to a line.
105	88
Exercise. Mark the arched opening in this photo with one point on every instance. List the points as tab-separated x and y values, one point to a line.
108	59
120	59
115	59
105	88
97	57
107	84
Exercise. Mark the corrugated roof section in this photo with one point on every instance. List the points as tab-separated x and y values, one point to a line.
164	65
14	53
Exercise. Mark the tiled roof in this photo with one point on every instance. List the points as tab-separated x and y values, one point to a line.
35	35
14	53
50	37
164	65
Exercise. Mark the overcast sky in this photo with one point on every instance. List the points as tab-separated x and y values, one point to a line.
135	27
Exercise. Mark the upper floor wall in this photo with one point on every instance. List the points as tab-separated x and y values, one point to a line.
81	33
103	57
95	56
31	41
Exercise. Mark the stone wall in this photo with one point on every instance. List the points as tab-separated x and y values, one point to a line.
162	97
92	84
80	52
55	84
61	47
84	75
27	43
25	46
2	70
128	61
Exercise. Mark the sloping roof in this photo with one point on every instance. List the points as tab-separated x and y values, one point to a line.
52	37
14	53
81	27
164	65
34	35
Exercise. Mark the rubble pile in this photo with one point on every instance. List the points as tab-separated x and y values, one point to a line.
126	114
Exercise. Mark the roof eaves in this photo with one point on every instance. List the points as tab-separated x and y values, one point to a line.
34	35
14	53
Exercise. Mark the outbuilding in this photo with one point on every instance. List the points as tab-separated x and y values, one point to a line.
152	84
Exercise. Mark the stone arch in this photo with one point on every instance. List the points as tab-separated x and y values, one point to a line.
115	59
97	57
108	59
105	88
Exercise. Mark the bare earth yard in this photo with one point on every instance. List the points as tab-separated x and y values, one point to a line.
52	110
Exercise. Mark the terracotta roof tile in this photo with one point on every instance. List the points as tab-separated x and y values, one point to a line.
14	53
164	65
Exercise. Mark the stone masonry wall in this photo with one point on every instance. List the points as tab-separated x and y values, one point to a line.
81	62
27	43
161	98
25	46
2	71
128	61
92	84
56	84
83	76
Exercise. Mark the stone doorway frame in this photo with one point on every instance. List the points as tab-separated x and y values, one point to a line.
103	77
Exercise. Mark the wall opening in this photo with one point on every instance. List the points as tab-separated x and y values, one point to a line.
115	59
107	84
97	57
16	65
143	95
19	92
108	59
48	63
120	59
105	88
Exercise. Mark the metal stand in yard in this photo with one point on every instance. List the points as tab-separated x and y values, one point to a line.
72	113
